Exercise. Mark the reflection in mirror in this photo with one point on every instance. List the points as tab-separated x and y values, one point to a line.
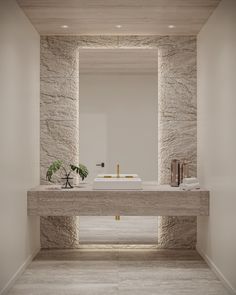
118	124
118	111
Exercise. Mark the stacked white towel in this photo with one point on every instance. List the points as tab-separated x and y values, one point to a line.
190	183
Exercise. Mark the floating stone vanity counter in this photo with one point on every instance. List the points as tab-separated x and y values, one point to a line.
153	200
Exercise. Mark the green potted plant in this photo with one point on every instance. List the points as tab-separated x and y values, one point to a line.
58	164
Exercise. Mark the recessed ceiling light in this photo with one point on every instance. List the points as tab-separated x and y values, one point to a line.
118	26
64	27
171	26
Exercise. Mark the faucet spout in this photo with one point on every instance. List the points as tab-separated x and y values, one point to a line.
117	170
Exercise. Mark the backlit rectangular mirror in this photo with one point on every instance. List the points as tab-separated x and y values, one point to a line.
118	124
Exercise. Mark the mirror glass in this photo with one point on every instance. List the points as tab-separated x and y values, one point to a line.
118	124
118	111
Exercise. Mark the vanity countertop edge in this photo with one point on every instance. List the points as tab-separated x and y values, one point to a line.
152	200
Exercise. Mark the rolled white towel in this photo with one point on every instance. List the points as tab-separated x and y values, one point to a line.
190	180
189	187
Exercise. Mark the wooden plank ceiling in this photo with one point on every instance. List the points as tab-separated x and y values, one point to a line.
118	61
101	17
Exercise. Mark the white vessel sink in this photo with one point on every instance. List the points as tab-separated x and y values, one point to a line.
111	182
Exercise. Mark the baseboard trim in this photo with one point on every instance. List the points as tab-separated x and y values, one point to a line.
18	273
216	271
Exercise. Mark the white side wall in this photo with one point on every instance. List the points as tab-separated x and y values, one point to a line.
125	108
217	138
19	138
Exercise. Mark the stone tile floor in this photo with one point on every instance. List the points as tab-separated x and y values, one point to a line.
119	272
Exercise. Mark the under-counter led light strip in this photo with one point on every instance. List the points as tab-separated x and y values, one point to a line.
117	26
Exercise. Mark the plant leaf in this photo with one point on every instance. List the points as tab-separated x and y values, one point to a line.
81	169
53	168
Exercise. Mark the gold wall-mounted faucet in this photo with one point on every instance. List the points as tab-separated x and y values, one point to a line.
118	171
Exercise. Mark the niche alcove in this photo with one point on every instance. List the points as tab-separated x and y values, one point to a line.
177	120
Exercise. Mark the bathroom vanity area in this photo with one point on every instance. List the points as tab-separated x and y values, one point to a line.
152	200
95	125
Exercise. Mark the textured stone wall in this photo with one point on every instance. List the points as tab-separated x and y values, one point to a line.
59	128
176	114
177	106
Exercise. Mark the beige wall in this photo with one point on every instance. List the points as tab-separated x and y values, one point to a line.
217	138
19	138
